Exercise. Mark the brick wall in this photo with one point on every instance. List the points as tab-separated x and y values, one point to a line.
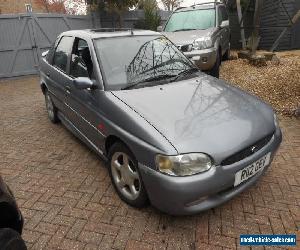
18	6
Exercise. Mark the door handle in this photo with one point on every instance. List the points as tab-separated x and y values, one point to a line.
48	74
68	89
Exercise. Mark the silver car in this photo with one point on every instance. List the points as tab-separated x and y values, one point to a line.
172	135
202	33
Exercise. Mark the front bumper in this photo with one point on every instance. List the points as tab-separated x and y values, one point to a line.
204	59
192	194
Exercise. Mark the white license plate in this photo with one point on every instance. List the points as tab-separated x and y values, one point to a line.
251	170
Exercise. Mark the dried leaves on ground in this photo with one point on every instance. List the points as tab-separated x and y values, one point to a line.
276	83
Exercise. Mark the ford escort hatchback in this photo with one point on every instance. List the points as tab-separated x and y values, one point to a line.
172	135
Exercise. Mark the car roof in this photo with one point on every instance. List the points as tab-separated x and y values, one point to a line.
206	5
107	33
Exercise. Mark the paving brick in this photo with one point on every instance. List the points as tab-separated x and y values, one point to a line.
102	228
68	202
57	237
67	244
90	237
137	245
107	242
76	229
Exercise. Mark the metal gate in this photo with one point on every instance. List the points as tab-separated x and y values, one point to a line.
24	37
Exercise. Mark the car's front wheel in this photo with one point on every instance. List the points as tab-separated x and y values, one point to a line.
215	71
51	109
125	176
226	56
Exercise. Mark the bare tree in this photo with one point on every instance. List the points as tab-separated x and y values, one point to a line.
171	4
61	6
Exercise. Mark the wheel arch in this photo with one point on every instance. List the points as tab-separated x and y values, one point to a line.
44	88
111	140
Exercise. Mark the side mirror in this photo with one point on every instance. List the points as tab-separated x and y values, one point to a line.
159	28
224	24
45	53
83	83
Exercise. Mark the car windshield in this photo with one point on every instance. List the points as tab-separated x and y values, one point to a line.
139	60
191	20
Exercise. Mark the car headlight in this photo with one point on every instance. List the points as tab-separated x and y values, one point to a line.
183	165
202	43
276	121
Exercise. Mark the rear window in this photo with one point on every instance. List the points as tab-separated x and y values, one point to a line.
62	52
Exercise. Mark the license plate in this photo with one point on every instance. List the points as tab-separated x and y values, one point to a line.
252	169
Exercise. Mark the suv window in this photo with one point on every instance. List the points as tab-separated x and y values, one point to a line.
62	51
222	13
81	62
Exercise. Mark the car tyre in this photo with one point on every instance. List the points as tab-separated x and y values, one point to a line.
215	71
51	109
125	176
10	239
226	56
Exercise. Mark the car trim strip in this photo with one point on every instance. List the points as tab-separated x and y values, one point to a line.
80	116
85	120
81	134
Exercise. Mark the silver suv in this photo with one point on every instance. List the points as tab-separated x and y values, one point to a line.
202	33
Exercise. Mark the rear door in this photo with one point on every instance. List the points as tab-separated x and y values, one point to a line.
57	76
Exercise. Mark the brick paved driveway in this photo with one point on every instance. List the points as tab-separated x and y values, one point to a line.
68	202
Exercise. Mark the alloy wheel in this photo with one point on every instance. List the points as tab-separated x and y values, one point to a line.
125	175
49	106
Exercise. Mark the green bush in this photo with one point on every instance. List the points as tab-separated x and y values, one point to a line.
152	18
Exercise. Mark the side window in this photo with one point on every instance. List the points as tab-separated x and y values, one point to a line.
50	54
81	62
220	16
62	52
224	13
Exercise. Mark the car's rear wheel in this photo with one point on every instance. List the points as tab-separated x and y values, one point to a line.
125	176
51	109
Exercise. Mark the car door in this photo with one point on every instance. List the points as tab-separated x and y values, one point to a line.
57	77
225	33
85	104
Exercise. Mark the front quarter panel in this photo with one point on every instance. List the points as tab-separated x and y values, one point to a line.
124	123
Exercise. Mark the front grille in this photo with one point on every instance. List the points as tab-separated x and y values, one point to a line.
247	151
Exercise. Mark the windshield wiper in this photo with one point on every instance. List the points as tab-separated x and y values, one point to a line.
150	79
184	73
183	30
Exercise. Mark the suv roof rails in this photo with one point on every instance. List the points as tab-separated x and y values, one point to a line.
211	2
112	29
198	4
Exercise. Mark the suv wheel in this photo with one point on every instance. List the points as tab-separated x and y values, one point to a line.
215	71
125	176
226	56
51	109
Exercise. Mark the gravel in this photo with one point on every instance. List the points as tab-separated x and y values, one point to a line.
277	83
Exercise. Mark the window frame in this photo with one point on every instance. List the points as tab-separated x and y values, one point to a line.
68	56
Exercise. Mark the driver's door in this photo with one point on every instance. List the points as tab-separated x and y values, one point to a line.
84	103
225	31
